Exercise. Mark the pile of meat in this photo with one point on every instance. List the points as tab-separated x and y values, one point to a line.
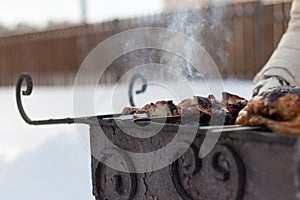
205	107
277	110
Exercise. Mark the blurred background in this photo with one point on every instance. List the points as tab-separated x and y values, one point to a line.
49	39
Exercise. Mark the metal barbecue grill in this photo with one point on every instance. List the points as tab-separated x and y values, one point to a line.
245	163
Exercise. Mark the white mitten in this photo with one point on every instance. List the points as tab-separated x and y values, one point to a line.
269	83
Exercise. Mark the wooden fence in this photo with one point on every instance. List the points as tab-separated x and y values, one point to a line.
239	37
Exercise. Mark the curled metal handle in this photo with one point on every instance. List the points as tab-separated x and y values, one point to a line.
143	89
27	92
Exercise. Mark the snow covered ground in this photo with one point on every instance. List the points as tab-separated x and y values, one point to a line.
50	162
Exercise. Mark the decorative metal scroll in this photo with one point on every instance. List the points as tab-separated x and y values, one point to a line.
27	92
113	184
220	175
190	165
143	89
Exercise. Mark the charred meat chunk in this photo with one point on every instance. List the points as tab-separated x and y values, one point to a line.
234	105
160	108
196	106
229	107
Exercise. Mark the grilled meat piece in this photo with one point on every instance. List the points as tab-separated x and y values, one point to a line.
129	111
228	107
277	110
234	104
160	108
196	101
196	106
228	98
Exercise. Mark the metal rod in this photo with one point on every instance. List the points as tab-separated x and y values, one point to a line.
241	128
143	89
27	92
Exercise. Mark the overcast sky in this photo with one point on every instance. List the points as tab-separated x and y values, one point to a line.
39	12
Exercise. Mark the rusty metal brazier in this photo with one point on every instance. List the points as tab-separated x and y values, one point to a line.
246	165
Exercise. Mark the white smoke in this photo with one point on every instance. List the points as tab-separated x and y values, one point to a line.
203	23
